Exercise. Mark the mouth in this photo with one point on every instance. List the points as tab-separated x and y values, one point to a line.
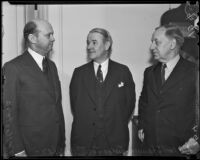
90	52
154	52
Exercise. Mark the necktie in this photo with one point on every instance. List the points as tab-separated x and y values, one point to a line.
44	65
99	74
163	73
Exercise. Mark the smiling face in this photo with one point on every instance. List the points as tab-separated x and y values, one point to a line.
97	48
161	46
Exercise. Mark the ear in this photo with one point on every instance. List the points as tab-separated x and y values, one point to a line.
107	45
173	43
32	38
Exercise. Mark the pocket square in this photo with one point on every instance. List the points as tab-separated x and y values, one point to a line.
121	84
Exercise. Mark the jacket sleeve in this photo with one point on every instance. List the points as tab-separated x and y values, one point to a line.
73	89
60	111
131	96
11	89
143	102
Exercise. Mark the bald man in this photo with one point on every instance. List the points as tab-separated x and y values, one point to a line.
33	115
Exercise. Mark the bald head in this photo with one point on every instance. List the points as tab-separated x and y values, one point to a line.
38	35
33	26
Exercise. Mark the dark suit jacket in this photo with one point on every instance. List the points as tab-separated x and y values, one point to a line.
118	102
33	116
167	113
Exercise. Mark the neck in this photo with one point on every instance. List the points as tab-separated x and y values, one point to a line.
100	61
170	56
38	51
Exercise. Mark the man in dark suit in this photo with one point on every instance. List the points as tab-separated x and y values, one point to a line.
102	94
167	101
32	116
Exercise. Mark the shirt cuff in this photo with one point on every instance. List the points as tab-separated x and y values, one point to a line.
20	153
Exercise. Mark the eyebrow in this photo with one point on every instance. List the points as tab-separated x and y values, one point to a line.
92	40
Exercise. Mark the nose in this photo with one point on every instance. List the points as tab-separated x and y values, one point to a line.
52	38
152	46
89	45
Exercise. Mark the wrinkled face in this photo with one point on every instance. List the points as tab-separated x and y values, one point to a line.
44	38
96	47
160	45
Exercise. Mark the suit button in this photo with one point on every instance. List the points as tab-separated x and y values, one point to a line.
158	111
95	109
93	124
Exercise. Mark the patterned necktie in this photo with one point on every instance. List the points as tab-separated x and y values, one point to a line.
99	74
44	65
163	73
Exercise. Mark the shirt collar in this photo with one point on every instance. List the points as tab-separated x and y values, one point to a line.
36	56
104	65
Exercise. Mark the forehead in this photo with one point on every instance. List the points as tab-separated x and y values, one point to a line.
94	36
44	27
159	33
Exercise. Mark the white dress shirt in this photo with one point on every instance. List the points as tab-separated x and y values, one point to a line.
37	57
170	66
104	67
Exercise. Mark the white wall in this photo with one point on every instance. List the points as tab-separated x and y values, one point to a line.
13	22
130	26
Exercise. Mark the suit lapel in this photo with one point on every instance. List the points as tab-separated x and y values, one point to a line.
89	80
51	79
111	79
154	78
36	71
176	75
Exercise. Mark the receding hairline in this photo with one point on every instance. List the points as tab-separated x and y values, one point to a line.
40	22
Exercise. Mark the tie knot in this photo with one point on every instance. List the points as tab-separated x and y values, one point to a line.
99	67
164	65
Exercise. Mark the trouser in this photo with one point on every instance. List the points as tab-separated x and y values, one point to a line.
101	147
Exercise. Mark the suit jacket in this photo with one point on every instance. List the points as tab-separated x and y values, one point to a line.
167	112
119	102
33	115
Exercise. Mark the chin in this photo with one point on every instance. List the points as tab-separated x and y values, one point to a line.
91	56
156	57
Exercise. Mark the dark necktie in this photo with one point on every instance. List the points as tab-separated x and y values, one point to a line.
44	65
99	74
163	73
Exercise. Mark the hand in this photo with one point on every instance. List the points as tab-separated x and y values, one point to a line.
21	154
62	154
190	147
125	153
141	135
